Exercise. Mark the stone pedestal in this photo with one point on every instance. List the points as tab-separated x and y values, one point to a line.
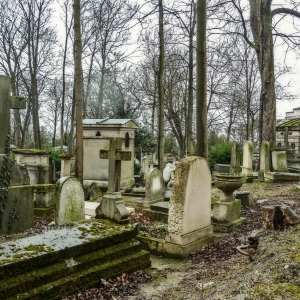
112	207
226	215
44	204
65	166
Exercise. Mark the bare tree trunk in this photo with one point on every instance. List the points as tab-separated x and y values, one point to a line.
190	82
161	89
261	25
78	91
68	29
201	105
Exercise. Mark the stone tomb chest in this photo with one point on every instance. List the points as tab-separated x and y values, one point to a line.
96	136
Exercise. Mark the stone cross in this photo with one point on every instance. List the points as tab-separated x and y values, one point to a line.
7	102
286	134
115	155
112	204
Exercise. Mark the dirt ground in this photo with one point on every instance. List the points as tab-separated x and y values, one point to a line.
219	271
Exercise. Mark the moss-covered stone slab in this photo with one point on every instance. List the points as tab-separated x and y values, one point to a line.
60	261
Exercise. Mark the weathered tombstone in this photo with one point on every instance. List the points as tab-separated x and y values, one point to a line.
245	197
279	160
154	187
247	170
235	165
189	223
16	195
264	165
112	205
145	165
69	201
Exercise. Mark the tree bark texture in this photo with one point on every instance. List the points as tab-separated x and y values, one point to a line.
201	93
190	82
78	91
161	89
261	26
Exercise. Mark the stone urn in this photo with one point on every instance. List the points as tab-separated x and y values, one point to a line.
228	183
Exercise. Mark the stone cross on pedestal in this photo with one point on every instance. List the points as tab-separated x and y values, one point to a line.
6	103
286	134
112	205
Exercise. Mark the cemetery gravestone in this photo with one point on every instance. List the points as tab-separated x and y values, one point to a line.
189	223
264	165
247	170
279	160
69	201
145	165
235	165
112	205
16	195
154	187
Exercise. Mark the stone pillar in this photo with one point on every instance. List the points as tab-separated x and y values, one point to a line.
247	170
235	165
264	159
65	167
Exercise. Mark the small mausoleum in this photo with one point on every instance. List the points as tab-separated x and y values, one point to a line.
96	137
288	132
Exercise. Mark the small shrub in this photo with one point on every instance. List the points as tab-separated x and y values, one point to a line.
137	169
220	154
54	156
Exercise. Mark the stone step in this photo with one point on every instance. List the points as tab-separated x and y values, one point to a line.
88	278
35	278
31	270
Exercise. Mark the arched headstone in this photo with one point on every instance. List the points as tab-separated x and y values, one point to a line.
69	201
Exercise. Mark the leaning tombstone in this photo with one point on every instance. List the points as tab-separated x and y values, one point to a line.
264	165
247	170
189	224
112	204
235	165
69	200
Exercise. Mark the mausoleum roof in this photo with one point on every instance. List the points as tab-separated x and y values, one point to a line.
110	122
289	123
